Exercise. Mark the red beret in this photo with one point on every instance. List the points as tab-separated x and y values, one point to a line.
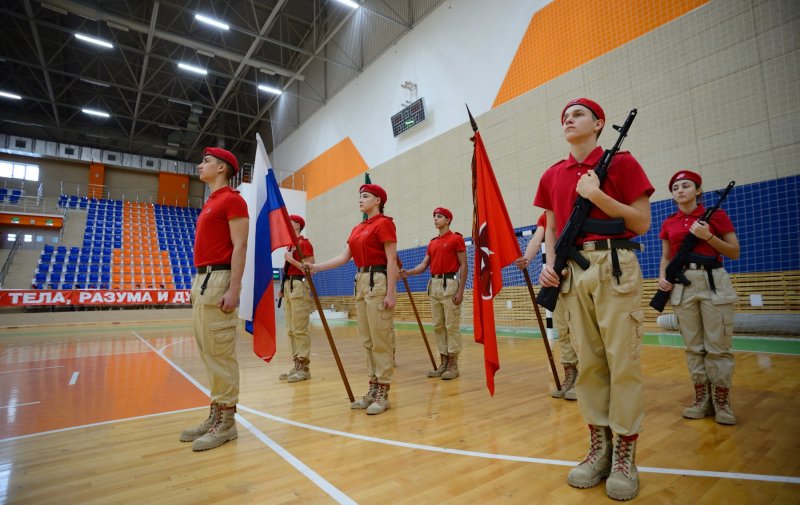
686	175
224	155
298	219
374	189
589	104
445	212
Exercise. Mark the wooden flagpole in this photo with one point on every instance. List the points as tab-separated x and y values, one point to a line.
416	314
541	328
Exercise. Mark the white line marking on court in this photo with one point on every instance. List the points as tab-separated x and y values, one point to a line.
161	349
504	457
524	459
101	423
14	405
74	378
310	474
28	369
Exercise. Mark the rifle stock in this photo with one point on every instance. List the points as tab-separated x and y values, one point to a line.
548	296
674	270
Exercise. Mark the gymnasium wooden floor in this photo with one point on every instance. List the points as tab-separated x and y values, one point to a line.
90	414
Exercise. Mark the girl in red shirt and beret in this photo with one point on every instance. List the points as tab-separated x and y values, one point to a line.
704	308
373	247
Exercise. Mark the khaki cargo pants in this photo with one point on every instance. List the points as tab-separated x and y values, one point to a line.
565	346
215	334
446	315
705	320
297	297
605	321
375	326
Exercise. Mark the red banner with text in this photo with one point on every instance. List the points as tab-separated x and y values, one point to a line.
93	297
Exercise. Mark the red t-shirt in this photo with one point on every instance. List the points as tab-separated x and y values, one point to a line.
443	251
212	240
542	220
625	182
367	239
307	250
676	228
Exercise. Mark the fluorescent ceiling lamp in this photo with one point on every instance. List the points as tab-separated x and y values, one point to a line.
270	89
169	127
93	40
96	83
212	22
349	3
101	137
97	113
10	95
191	68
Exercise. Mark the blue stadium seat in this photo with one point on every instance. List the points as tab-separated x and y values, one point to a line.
55	277
43	267
69	277
105	277
59	258
94	268
94	278
38	285
49	249
14	196
52	285
40	277
79	285
66	285
81	277
83	267
70	267
45	258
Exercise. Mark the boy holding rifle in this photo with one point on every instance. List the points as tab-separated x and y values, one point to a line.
601	290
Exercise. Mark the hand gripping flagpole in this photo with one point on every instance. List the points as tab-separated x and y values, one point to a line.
285	214
416	314
527	282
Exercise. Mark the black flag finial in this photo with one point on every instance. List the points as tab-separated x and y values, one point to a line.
472	119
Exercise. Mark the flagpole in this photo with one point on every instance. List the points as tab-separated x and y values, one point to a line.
285	214
416	314
541	328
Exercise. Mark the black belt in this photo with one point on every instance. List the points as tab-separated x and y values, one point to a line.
208	269
707	263
292	278
611	244
451	275
381	269
698	266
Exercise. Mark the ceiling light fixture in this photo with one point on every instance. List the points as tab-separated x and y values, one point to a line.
349	3
213	22
205	53
169	127
192	68
96	83
6	94
93	112
93	40
270	89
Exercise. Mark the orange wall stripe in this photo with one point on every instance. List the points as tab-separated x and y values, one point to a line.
331	168
568	33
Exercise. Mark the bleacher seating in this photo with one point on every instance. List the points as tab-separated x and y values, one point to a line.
125	245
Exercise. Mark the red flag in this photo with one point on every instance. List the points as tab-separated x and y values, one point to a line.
495	247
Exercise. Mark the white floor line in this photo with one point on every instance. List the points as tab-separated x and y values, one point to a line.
101	423
310	474
505	457
161	349
74	378
15	405
28	369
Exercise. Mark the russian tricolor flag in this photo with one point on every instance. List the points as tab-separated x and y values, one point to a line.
269	230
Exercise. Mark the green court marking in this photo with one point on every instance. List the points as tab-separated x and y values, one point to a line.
84	329
771	345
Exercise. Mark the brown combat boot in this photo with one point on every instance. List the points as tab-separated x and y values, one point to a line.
567	390
623	483
192	434
452	367
285	376
597	464
439	371
223	430
366	400
380	403
702	405
722	406
302	372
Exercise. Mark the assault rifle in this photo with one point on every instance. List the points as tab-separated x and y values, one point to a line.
283	277
674	270
565	246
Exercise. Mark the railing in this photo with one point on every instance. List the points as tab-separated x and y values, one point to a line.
10	259
128	195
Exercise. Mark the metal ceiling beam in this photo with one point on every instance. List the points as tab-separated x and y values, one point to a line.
40	51
308	61
148	48
232	82
96	13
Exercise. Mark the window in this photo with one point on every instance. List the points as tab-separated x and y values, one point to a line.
22	171
11	237
27	238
